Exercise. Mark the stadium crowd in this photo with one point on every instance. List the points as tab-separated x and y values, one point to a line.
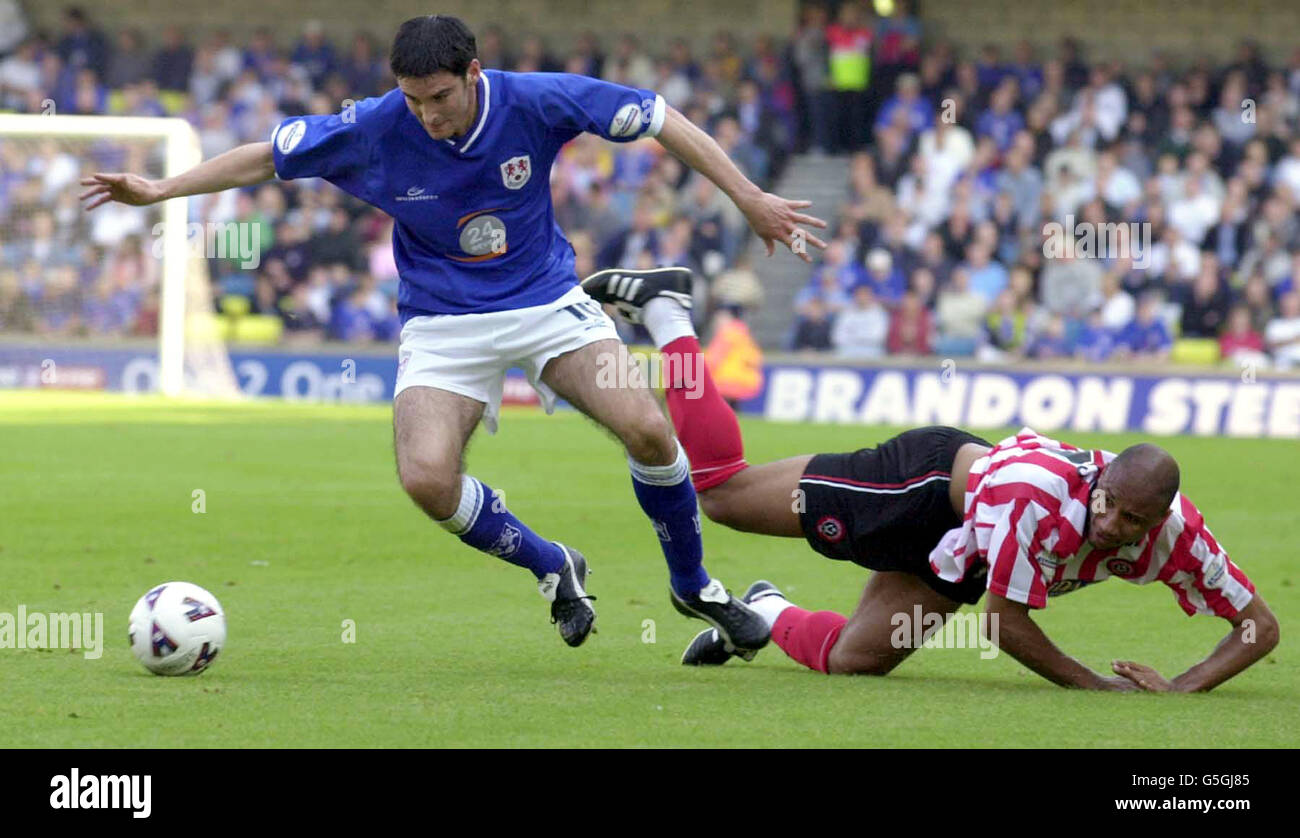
973	185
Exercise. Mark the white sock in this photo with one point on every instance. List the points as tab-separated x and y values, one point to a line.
667	320
770	607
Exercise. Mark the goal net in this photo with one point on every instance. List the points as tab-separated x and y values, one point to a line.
126	284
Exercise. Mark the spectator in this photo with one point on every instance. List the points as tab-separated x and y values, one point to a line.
934	258
173	63
926	289
361	70
1205	303
349	320
1022	182
813	328
870	202
1027	72
861	331
629	64
1117	305
837	265
1051	342
1283	333
1146	336
811	55
129	63
20	77
1001	122
947	149
82	46
827	290
533	56
1095	342
890	157
885	278
849	42
300	318
338	243
1004	328
1258	300
1240	341
911	329
987	276
961	313
1071	285
314	54
899	39
627	246
906	110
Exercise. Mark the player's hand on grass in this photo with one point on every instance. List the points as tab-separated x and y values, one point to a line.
1144	677
777	219
1119	684
124	188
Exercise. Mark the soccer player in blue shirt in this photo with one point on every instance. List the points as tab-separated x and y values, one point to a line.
460	157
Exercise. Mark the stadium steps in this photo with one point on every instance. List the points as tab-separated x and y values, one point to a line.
822	180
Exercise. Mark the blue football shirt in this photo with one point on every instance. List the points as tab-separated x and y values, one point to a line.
474	226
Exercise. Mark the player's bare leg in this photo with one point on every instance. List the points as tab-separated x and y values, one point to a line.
630	413
865	644
761	499
431	428
660	478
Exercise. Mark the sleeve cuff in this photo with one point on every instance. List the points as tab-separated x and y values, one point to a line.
657	118
275	166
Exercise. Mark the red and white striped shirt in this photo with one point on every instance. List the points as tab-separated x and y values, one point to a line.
1026	523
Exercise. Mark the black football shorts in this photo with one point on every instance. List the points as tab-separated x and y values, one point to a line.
886	508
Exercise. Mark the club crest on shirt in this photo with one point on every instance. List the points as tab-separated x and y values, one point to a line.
1120	567
516	171
831	529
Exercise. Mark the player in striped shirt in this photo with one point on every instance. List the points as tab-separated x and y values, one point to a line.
941	516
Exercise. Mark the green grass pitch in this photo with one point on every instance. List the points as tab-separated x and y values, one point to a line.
306	527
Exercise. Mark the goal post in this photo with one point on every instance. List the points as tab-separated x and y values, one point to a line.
192	357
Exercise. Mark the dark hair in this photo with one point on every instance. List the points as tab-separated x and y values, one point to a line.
426	45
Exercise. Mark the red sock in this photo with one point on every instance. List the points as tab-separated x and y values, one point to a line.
807	636
704	421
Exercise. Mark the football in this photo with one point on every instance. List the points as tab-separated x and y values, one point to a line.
177	628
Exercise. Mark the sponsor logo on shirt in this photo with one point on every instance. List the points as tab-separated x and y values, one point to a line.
627	121
1216	572
415	193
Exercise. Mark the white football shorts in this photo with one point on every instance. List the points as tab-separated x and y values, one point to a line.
470	353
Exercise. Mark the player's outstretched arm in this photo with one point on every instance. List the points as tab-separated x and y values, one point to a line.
773	218
1254	634
1016	633
242	166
